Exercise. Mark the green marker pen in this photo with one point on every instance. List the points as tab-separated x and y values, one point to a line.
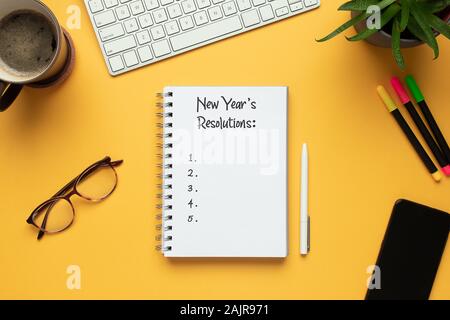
418	96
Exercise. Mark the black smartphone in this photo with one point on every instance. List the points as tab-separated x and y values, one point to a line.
410	253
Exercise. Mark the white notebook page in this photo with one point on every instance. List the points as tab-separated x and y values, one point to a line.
229	177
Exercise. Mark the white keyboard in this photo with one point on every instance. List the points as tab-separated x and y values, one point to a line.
133	34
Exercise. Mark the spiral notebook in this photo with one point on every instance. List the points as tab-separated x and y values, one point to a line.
224	179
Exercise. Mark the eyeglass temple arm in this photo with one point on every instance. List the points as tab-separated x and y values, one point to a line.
70	185
116	163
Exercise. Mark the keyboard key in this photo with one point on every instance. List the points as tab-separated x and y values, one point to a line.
161	48
111	3
137	7
157	32
258	2
201	4
96	6
229	8
166	2
143	37
217	1
293	1
243	4
160	15
174	11
186	23
296	6
119	45
111	32
104	18
123	12
130	59
188	6
116	63
131	25
250	18
310	3
172	27
282	11
266	13
200	18
215	13
145	54
151	4
206	33
145	20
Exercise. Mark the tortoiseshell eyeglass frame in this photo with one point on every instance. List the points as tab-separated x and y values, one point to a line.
67	192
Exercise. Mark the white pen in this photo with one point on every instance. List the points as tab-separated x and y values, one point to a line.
304	217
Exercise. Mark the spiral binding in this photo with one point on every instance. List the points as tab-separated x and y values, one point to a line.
165	197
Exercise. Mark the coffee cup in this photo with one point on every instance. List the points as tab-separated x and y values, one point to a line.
34	49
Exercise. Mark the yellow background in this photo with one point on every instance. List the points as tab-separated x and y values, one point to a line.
360	164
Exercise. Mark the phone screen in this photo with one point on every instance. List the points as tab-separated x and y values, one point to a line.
411	252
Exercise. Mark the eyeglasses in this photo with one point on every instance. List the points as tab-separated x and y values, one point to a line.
95	183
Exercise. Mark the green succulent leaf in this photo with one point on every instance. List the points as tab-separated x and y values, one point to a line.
415	29
357	5
384	3
404	15
396	51
386	16
433	6
345	26
423	23
439	25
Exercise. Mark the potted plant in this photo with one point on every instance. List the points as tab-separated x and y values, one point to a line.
402	24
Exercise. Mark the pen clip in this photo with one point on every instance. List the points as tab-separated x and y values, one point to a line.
309	233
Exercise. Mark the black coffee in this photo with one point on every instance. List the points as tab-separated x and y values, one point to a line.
27	43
